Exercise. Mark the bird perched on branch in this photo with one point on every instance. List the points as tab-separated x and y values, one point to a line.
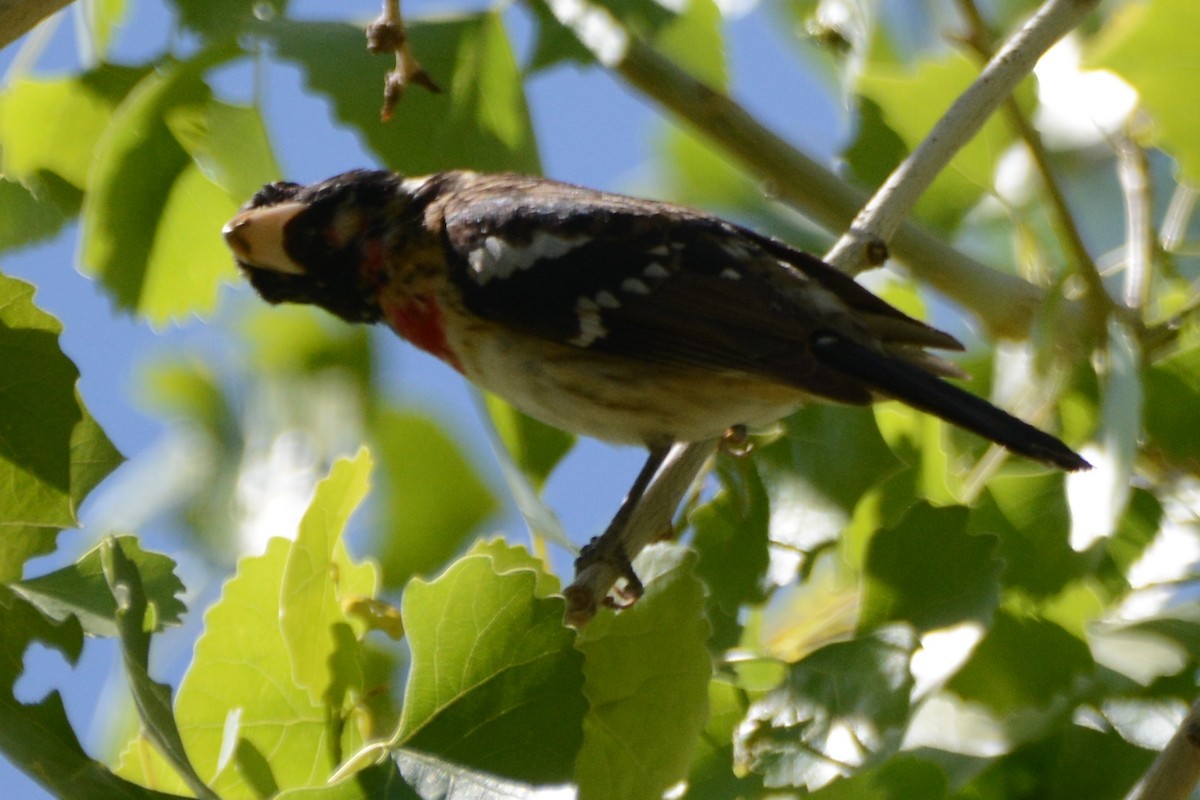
622	319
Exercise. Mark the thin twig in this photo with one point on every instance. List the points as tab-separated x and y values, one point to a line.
387	35
1133	169
1176	771
979	39
885	212
1179	214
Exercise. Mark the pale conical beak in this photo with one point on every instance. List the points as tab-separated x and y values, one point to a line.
256	237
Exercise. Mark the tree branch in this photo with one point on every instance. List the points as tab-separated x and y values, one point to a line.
1176	771
1003	301
17	17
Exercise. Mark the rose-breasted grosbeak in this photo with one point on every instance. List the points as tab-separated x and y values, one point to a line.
623	319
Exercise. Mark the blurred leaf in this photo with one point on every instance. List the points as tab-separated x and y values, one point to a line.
480	121
698	174
692	39
214	19
151	220
535	447
929	572
845	704
239	685
37	737
229	144
904	777
712	774
1098	497
812	492
876	149
187	389
1028	513
152	699
439	780
1022	664
1150	46
318	576
937	84
495	683
104	18
434	499
731	540
52	125
27	218
648	670
81	589
1172	393
556	43
1075	762
52	453
292	340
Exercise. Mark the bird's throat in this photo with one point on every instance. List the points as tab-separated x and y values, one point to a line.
420	321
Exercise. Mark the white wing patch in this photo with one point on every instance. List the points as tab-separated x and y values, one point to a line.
499	258
591	327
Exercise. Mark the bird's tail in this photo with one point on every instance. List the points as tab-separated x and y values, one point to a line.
912	385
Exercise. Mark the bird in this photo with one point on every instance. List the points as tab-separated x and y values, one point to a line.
628	320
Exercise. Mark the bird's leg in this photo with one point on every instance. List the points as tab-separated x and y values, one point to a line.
610	546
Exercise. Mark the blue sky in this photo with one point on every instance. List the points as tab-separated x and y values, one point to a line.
591	130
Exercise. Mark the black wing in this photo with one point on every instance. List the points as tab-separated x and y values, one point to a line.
661	283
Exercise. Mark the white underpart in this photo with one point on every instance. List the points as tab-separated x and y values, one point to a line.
499	258
591	326
634	286
607	300
731	274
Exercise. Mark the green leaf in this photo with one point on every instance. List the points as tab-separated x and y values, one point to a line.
444	781
1028	513
53	125
648	670
52	453
508	558
1098	497
813	495
480	120
535	447
434	500
854	693
27	218
712	773
319	574
929	572
692	39
495	683
1022	663
901	778
1076	762
230	144
215	19
1151	47
731	540
152	699
239	686
151	219
81	589
876	149
938	83
37	737
1172	392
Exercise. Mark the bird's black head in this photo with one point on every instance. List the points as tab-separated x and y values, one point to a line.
325	244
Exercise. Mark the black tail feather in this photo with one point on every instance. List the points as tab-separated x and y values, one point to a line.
912	385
